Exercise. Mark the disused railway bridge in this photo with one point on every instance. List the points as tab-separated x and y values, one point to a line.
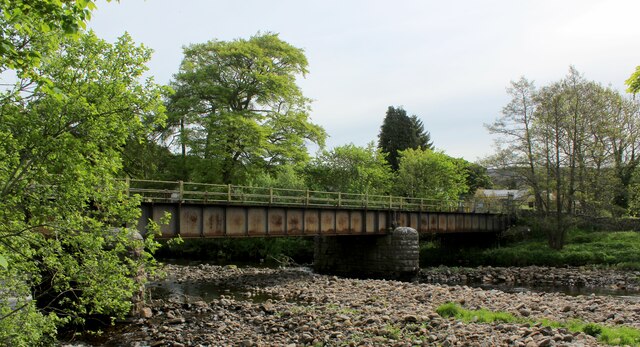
216	211
355	234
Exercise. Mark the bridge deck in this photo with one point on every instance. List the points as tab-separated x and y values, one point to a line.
215	211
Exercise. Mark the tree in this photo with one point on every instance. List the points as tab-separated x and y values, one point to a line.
237	106
633	82
574	144
351	169
476	175
29	29
399	132
516	127
430	175
63	226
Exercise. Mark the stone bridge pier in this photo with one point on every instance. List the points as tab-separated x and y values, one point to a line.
391	256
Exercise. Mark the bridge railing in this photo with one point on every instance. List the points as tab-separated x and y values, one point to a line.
189	192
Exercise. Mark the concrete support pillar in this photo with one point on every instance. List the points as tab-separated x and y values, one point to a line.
392	256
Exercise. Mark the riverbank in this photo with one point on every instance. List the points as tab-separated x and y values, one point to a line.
295	307
584	277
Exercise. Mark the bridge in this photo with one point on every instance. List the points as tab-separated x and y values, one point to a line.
215	211
355	234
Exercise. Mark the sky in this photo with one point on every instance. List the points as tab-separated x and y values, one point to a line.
448	62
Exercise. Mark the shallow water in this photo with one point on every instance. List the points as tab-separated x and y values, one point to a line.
207	291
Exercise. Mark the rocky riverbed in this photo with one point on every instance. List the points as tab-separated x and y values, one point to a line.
597	279
295	307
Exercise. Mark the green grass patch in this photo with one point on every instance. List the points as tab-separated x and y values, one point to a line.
616	249
616	336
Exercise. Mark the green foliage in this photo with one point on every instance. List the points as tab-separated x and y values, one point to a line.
286	176
618	249
399	132
61	229
633	82
572	143
451	309
237	107
27	27
250	249
351	169
430	175
476	175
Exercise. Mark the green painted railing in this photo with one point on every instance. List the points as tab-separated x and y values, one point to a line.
189	192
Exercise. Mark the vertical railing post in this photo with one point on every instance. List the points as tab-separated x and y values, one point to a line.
421	204
339	199
271	195
390	201
228	192
181	192
128	183
306	201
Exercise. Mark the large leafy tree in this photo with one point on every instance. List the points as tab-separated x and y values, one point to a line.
237	107
62	225
430	175
399	132
351	169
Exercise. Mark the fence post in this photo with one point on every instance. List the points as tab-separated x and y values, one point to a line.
271	195
228	192
306	202
339	199
181	196
128	183
390	201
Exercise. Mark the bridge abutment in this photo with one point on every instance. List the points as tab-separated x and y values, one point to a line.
391	256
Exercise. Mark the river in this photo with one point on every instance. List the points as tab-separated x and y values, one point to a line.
211	305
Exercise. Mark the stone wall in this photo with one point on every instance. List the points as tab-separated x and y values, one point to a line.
392	256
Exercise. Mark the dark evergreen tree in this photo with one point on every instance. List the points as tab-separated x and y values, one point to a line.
399	132
423	138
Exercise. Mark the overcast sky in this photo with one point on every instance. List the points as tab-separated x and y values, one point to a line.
448	62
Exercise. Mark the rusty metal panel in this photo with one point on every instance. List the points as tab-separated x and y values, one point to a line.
257	218
413	220
475	223
383	222
467	222
356	222
433	222
424	223
294	222
369	222
451	222
312	222
277	220
442	223
328	222
213	221
190	221
158	211
342	222
236	221
459	222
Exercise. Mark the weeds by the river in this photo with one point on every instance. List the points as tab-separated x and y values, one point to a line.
610	335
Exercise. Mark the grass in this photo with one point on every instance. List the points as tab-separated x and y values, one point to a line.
617	249
617	336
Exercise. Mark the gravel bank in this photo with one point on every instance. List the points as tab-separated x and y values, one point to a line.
294	307
587	277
